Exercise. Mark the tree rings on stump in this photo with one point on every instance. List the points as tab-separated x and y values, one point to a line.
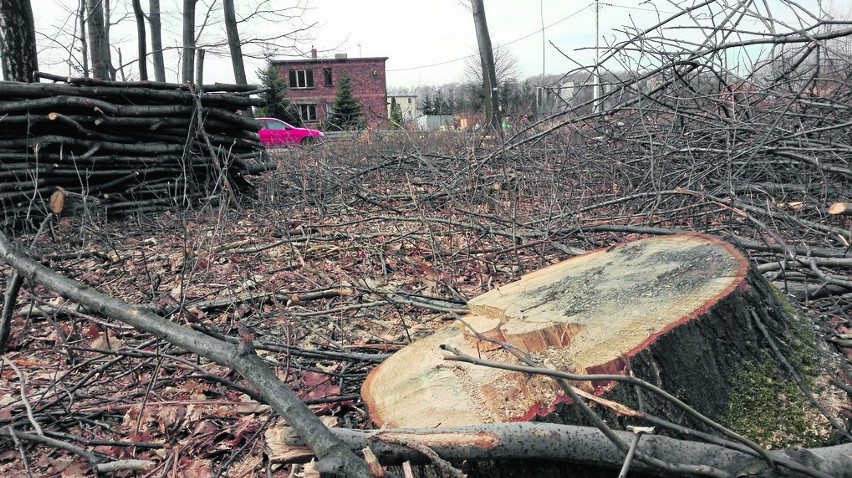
677	311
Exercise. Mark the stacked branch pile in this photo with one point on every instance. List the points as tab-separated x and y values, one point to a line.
124	146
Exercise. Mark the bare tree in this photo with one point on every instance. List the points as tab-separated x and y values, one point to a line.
156	40
141	41
506	67
17	40
187	64
234	42
258	27
98	40
84	44
275	30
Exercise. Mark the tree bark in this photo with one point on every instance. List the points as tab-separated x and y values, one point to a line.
156	40
98	43
199	71
13	285
107	14
152	85
486	56
234	42
188	57
561	445
140	94
17	40
84	42
141	42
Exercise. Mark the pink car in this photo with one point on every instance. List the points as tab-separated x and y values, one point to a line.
279	133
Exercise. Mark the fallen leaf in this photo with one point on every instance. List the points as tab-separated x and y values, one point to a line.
204	427
316	386
248	406
107	341
190	468
169	416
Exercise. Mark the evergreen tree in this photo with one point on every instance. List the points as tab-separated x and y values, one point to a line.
346	110
438	103
474	94
396	118
427	104
276	103
450	105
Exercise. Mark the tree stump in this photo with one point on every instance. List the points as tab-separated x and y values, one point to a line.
677	311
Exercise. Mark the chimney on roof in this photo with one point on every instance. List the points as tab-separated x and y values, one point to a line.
313	53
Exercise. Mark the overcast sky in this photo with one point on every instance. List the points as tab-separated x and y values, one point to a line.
426	42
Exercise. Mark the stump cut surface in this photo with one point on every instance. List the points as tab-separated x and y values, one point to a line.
587	314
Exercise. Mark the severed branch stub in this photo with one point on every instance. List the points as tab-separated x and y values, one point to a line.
841	209
673	310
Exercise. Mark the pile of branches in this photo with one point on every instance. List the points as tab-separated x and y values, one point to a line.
737	132
121	146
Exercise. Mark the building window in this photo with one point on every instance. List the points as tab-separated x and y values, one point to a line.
409	101
307	112
326	74
301	79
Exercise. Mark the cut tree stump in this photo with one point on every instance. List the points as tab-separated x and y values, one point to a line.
676	311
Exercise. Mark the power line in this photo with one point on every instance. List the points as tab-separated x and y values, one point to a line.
432	64
447	62
633	7
552	24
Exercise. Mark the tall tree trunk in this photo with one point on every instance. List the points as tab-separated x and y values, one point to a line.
486	57
84	42
234	42
17	40
188	41
98	43
236	47
156	40
106	45
141	41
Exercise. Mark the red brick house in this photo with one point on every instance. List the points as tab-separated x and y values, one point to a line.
312	84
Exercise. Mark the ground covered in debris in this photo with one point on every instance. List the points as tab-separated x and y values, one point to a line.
348	252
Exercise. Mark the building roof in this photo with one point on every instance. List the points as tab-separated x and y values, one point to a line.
328	60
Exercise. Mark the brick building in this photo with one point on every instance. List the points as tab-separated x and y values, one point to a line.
312	84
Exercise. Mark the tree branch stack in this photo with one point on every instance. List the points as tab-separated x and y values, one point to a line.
128	146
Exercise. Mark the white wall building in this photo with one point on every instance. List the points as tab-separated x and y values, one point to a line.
407	105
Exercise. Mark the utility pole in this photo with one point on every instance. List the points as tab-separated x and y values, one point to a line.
539	92
543	38
486	56
597	78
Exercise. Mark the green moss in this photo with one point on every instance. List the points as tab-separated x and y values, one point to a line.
782	301
765	403
803	345
771	409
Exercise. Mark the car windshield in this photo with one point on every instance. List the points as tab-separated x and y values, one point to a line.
279	125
